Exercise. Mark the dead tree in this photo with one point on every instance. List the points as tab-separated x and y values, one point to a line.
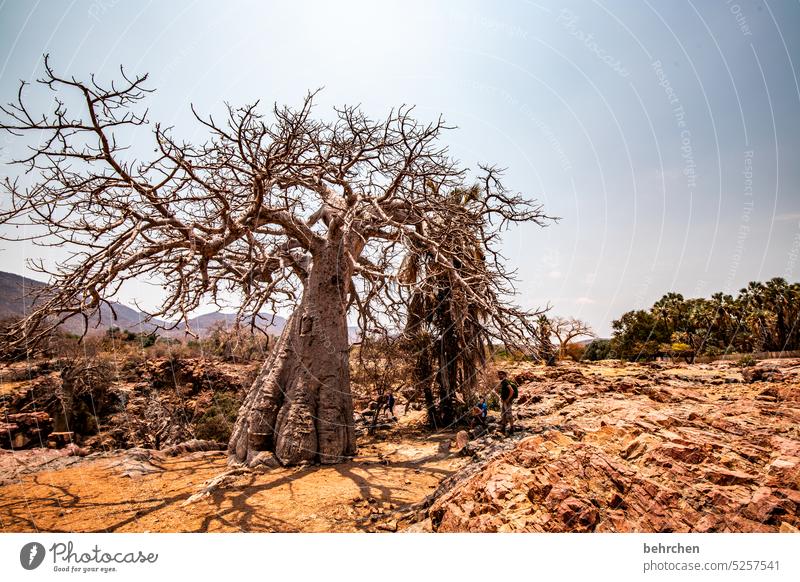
566	329
450	333
290	213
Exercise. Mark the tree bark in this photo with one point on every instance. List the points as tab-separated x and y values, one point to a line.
422	378
447	379
300	406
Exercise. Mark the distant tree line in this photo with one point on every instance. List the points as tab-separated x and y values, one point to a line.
762	317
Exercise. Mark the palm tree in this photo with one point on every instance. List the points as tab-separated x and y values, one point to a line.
775	296
724	323
752	315
671	308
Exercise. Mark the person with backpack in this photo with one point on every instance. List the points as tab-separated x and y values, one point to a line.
508	392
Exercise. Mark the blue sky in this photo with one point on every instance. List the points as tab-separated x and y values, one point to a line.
664	134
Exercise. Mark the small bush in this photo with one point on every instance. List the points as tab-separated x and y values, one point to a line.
747	361
216	423
234	345
83	393
503	354
380	364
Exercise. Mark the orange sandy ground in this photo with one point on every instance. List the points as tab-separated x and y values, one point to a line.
362	495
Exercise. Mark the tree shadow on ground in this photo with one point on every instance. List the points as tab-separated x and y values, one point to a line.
328	494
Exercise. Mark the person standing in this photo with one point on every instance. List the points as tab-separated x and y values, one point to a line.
507	391
390	404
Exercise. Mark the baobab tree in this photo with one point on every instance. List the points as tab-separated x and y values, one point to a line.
447	329
289	213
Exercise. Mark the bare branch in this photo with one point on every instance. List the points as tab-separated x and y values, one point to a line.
249	211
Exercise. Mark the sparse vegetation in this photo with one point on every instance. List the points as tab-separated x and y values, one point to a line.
747	361
235	345
216	423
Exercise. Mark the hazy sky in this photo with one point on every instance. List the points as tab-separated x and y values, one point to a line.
664	134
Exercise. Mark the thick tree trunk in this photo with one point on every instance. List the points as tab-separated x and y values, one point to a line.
447	380
422	377
300	406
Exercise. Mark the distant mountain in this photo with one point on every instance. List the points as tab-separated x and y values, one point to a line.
13	290
274	324
16	301
586	342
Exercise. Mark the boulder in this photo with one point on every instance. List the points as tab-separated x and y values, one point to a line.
726	477
424	526
461	441
761	374
577	515
766	507
633	449
687	454
785	470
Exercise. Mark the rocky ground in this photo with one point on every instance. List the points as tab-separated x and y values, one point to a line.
644	448
600	447
112	402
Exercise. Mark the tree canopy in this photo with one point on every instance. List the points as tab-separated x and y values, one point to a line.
761	317
245	211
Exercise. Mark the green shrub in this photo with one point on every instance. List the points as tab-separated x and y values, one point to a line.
747	361
216	423
599	349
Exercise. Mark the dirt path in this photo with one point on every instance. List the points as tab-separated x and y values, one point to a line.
116	493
